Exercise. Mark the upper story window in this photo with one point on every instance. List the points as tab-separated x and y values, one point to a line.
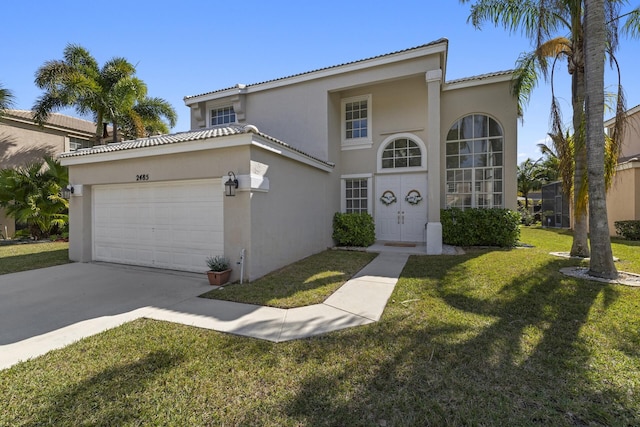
401	153
222	116
474	163
356	122
78	143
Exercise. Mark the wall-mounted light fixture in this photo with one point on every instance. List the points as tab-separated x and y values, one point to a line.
65	192
231	185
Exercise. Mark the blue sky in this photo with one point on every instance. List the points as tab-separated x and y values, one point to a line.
193	46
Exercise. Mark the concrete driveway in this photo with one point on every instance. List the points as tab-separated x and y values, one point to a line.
49	308
52	307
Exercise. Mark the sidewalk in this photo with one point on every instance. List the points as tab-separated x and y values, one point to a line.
358	302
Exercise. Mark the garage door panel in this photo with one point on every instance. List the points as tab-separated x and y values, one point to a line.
173	225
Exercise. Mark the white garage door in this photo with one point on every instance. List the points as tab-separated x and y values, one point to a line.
174	225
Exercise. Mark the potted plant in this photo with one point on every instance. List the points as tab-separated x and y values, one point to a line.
219	270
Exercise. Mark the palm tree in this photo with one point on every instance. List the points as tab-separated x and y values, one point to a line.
528	179
144	119
32	195
601	263
541	20
109	92
6	99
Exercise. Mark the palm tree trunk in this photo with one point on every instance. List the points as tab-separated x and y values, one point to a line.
601	263
580	246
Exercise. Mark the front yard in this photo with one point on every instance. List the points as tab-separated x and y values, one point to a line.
493	337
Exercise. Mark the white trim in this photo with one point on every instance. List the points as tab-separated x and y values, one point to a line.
477	82
356	143
239	140
407	135
328	72
158	150
343	190
284	151
356	175
630	112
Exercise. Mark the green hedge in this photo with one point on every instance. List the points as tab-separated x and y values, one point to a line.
630	229
353	229
480	227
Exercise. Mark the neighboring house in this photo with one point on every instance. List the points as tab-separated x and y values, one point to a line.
388	135
23	142
623	199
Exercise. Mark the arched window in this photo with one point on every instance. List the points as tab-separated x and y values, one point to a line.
402	151
474	160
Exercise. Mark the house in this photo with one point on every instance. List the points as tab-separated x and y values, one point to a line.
23	142
387	135
623	199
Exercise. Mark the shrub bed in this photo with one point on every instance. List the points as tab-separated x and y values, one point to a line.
480	227
630	229
353	229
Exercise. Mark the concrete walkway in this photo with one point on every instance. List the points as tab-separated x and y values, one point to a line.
46	309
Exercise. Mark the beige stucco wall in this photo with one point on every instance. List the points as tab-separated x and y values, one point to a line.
180	166
398	106
21	143
298	113
623	202
294	218
24	143
496	101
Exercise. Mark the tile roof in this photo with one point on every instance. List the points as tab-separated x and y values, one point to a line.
439	41
176	138
55	119
481	77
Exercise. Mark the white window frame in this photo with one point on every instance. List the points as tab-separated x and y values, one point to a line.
213	108
475	185
75	141
343	191
411	137
356	143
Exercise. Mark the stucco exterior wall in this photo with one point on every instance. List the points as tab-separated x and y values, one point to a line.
496	101
181	166
298	113
294	218
398	106
21	144
623	202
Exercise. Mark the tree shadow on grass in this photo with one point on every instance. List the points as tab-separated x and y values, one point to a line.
108	398
463	355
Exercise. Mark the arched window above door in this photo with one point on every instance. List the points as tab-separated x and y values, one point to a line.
402	152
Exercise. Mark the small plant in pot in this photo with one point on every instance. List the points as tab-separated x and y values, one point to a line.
219	270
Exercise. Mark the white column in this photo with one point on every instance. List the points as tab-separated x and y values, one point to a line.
434	227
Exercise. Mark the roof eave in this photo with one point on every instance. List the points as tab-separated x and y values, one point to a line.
439	46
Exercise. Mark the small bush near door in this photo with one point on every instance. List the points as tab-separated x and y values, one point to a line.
353	229
480	227
630	229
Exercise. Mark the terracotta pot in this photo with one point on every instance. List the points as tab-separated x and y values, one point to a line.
218	278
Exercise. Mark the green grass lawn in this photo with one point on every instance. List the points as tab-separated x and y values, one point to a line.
308	281
21	257
493	337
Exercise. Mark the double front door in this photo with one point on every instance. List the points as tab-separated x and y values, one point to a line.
401	207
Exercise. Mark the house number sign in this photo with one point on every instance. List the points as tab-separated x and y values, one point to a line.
142	177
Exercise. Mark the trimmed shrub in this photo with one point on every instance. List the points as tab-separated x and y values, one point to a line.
629	229
353	229
480	227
